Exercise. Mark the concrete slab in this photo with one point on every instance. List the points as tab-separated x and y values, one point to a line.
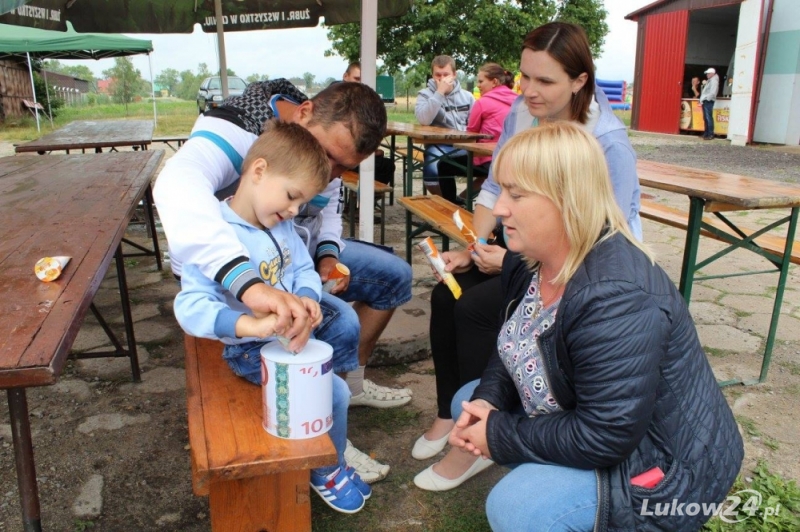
700	292
76	388
89	503
91	336
728	338
712	314
788	326
159	380
149	331
753	285
141	311
110	422
112	368
406	337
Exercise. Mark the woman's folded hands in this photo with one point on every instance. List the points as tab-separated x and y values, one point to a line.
469	433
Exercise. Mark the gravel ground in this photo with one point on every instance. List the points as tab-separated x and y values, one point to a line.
720	155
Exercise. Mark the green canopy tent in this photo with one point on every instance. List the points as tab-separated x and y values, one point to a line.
19	41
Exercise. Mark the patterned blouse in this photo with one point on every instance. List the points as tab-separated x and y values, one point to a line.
519	350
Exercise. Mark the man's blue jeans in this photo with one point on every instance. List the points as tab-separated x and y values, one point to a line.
245	361
708	118
378	278
433	153
519	502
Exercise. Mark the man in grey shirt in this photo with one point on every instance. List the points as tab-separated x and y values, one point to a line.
707	98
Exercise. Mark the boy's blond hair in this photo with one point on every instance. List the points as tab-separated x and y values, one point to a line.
290	150
564	163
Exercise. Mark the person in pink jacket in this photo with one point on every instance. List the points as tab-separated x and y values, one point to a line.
486	116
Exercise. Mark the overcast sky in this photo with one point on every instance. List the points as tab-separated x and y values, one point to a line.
287	53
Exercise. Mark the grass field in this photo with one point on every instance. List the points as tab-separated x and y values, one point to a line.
175	117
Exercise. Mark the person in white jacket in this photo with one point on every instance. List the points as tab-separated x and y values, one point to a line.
442	103
349	120
707	98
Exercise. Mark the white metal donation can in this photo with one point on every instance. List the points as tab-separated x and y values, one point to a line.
297	390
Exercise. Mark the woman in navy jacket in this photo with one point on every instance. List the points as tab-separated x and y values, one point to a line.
599	376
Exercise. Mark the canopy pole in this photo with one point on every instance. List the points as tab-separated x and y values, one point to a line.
223	64
47	92
152	90
366	182
33	89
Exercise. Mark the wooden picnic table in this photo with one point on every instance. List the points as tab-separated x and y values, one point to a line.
717	193
73	205
425	135
93	134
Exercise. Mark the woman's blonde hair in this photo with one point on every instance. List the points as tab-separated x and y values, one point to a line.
564	163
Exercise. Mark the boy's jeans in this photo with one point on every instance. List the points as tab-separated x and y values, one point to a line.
568	503
245	361
378	278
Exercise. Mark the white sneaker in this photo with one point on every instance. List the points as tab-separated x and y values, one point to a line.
369	469
380	396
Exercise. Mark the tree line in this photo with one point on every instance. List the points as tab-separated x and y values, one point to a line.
471	31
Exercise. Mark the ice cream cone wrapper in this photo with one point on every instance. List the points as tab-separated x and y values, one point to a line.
466	230
429	248
50	268
335	277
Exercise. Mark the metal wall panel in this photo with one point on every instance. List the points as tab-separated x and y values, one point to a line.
662	72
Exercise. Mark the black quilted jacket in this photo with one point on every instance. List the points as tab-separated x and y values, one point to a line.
624	362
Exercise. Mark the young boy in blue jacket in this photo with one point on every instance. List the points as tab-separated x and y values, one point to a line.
283	170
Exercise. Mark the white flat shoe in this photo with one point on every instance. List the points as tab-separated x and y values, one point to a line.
424	448
429	480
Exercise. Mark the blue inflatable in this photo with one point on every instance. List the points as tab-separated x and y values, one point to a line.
616	91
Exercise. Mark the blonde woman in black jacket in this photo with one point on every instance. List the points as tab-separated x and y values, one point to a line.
599	376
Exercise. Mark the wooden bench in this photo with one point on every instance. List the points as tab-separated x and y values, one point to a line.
350	182
254	480
436	214
680	219
402	153
177	139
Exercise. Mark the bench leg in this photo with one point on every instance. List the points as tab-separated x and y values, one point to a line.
352	200
383	219
409	236
279	502
690	249
776	309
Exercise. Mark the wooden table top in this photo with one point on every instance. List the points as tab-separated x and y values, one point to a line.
432	133
477	148
83	134
731	189
73	205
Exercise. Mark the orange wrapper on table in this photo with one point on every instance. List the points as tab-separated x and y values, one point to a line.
429	248
49	268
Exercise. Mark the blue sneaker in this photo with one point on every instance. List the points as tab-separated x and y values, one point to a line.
338	491
363	487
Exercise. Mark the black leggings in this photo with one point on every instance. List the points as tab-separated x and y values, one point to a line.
463	332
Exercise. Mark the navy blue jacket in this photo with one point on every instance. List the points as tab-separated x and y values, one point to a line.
625	363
